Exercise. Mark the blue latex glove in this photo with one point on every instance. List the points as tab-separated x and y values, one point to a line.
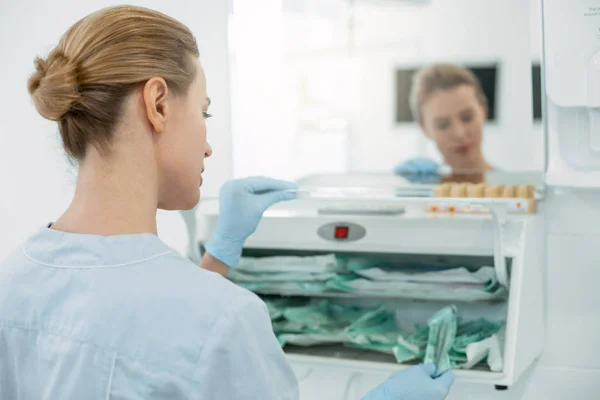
419	170
415	383
242	203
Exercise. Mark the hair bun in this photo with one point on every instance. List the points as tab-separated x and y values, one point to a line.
53	85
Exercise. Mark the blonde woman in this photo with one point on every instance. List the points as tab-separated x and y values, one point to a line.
95	305
448	103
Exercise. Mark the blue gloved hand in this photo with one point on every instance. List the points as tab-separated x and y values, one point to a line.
419	170
242	203
415	383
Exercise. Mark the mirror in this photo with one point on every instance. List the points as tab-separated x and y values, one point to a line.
401	92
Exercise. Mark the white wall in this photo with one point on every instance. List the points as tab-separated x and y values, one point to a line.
36	182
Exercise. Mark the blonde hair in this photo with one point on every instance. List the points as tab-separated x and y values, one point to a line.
440	77
99	62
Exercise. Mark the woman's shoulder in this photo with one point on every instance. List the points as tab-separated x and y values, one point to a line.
176	307
177	273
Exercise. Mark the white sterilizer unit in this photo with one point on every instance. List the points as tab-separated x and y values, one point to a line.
436	238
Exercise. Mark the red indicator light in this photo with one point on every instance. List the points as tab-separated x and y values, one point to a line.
341	232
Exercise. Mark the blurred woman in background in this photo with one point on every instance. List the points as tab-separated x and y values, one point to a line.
449	104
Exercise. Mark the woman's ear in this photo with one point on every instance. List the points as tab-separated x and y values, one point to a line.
155	95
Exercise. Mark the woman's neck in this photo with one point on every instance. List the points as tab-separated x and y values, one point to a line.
114	196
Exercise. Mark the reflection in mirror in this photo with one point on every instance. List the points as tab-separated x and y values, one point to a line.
426	91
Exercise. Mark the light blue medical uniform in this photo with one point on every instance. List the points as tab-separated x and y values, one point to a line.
126	317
